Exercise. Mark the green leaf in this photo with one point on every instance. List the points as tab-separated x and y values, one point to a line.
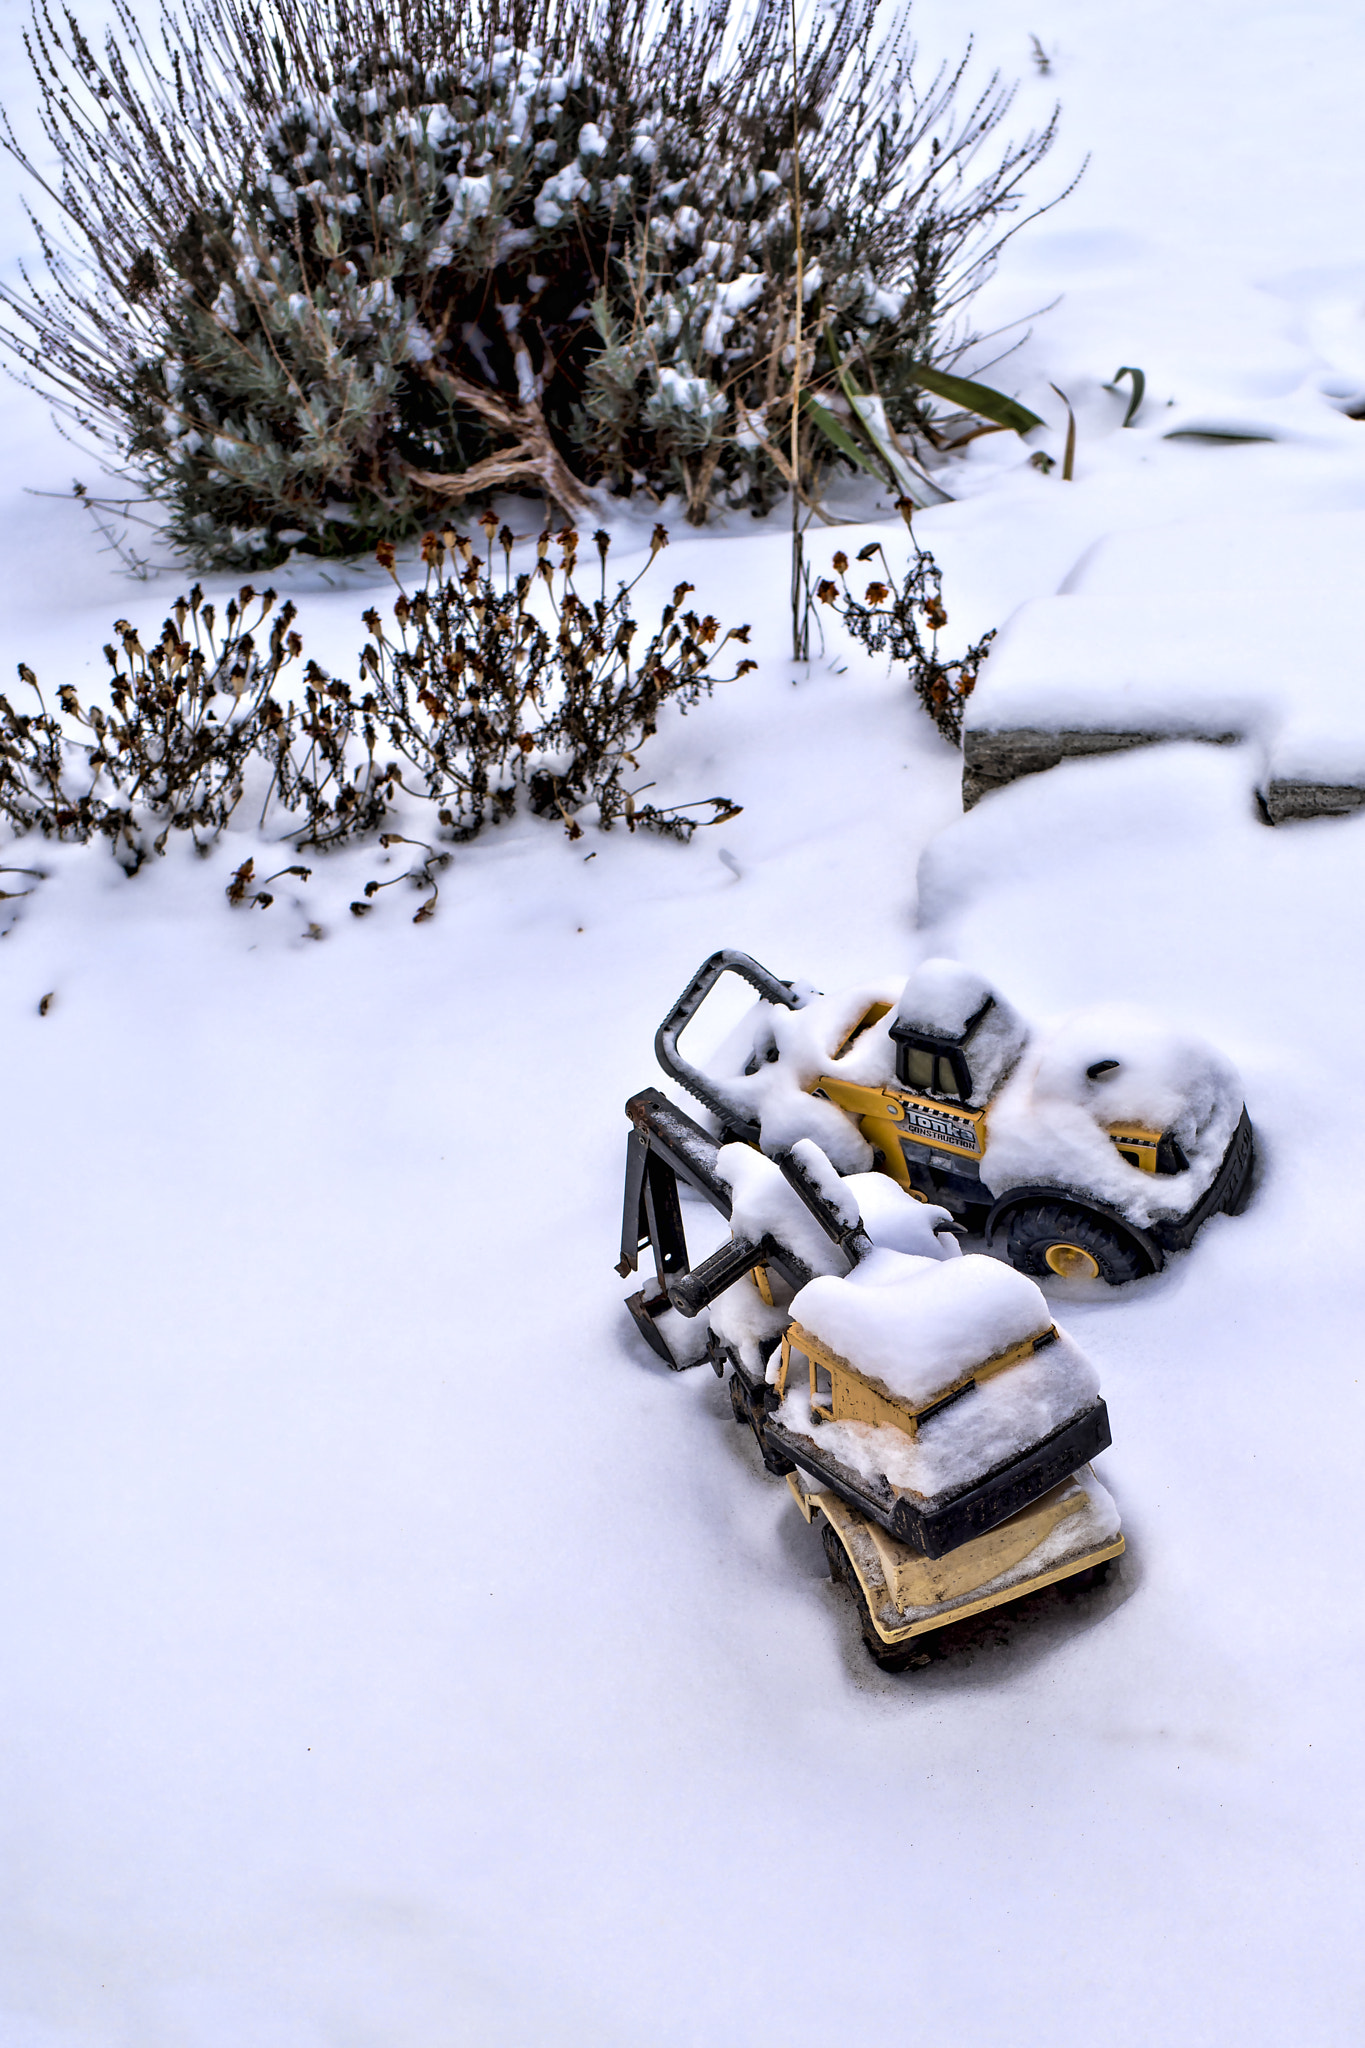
977	398
1139	387
1229	436
906	476
1069	458
840	438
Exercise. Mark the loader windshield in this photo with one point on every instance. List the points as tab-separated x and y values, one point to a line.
930	1072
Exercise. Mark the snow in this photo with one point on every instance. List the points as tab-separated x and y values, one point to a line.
751	1327
918	1325
765	1205
900	1223
1275	657
1049	1121
395	1650
942	996
997	1421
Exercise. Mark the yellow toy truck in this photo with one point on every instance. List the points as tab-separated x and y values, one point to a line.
927	1412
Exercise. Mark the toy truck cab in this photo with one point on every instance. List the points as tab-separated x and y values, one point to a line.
929	1124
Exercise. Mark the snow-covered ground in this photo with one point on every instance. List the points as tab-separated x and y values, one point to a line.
394	1653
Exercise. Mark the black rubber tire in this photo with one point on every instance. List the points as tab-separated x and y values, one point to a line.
749	1411
886	1656
1037	1226
836	1557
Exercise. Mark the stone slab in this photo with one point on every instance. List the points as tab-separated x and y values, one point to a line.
990	759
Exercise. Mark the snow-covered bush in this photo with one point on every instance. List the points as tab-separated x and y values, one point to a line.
319	279
887	618
486	691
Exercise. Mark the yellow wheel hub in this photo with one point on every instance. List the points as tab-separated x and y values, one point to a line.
1072	1262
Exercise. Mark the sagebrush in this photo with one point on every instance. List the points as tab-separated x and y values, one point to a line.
316	276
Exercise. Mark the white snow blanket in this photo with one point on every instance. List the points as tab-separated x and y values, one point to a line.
1251	626
312	1737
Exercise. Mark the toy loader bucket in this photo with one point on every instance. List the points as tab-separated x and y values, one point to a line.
734	1120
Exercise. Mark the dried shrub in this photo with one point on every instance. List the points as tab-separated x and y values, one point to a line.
498	683
892	617
317	276
494	685
187	720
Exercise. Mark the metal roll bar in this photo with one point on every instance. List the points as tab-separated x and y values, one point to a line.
733	1114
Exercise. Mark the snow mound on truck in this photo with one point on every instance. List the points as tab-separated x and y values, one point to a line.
1113	1064
942	997
919	1324
766	1205
789	1050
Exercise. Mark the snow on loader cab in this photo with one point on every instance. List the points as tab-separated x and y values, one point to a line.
1092	1150
930	1417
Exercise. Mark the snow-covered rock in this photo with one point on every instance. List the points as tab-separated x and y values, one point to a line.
1220	630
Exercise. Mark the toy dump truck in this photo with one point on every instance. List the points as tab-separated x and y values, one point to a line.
1094	1149
941	1428
926	1410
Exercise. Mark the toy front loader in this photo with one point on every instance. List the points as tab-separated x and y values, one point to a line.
928	1127
665	1146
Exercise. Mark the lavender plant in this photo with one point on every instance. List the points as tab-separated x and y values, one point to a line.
315	278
